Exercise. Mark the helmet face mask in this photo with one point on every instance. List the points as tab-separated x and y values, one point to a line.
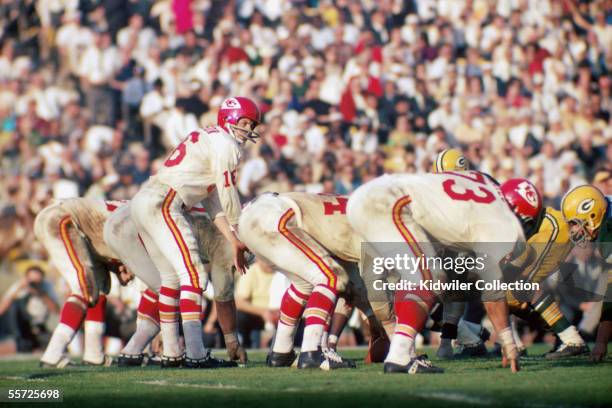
584	209
580	233
239	116
243	133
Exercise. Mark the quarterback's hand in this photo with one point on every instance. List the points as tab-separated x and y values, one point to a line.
239	259
510	357
599	352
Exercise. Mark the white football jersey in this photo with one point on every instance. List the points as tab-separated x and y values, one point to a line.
454	207
323	217
207	160
89	215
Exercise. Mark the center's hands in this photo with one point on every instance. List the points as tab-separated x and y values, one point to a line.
240	261
510	357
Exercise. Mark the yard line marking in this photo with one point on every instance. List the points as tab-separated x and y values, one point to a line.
16	377
456	397
482	401
188	385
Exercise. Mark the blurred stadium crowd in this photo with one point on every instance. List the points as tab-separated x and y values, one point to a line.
93	94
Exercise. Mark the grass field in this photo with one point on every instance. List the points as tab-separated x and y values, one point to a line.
566	383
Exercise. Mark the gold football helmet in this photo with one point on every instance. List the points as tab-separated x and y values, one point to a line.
584	209
450	160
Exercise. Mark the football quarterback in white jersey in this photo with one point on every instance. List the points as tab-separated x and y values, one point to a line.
204	164
121	236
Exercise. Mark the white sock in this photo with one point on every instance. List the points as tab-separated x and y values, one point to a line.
412	350
75	347
194	344
145	331
324	340
112	346
571	336
465	336
94	345
62	336
401	349
312	337
170	339
283	340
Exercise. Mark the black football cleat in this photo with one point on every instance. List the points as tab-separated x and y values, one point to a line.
130	360
209	362
328	360
567	350
152	360
172	362
310	359
333	361
484	334
472	351
274	359
417	365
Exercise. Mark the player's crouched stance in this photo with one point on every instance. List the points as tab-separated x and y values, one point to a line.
71	232
271	226
121	236
457	211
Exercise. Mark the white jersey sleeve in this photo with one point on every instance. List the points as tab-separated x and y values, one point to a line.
225	166
204	161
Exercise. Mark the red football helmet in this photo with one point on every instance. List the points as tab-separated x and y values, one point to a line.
523	198
232	110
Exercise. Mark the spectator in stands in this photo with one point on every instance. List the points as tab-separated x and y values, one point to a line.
25	310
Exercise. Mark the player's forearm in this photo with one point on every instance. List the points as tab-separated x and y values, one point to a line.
229	234
498	314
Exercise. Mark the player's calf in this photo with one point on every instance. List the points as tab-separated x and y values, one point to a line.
71	318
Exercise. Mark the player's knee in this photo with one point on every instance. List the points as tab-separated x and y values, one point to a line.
170	281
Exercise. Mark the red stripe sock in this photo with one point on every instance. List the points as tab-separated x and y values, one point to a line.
320	305
168	305
97	313
149	306
73	312
292	306
412	309
191	303
318	309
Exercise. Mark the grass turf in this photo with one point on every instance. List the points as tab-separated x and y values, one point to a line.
566	383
